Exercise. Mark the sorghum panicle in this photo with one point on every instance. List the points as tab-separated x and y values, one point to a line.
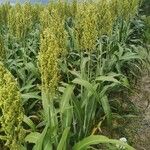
11	110
48	61
20	20
86	25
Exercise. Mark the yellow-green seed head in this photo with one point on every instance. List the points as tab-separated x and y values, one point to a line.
86	25
20	20
48	61
56	24
11	116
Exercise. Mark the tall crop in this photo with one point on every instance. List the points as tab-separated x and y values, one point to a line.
68	58
11	116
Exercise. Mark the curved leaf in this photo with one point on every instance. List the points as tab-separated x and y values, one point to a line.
98	139
107	78
32	137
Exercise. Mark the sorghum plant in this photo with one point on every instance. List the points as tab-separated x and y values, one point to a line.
11	111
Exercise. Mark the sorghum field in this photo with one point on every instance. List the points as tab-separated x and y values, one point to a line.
70	74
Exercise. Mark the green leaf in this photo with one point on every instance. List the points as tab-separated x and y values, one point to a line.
23	147
66	97
33	95
107	110
83	67
65	106
113	74
78	110
129	56
30	66
29	122
98	139
39	143
61	145
107	78
84	83
75	73
32	137
106	88
27	87
47	145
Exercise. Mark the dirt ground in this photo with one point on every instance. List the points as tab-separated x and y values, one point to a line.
138	131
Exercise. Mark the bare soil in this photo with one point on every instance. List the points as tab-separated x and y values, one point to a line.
138	130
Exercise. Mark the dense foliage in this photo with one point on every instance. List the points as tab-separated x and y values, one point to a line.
62	66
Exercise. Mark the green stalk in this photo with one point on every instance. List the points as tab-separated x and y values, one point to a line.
99	62
47	101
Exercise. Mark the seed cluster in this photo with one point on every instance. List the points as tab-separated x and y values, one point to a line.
48	59
87	26
11	116
20	20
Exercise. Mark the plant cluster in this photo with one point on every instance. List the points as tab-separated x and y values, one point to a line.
69	59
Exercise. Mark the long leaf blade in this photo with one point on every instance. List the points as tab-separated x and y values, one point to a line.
98	139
